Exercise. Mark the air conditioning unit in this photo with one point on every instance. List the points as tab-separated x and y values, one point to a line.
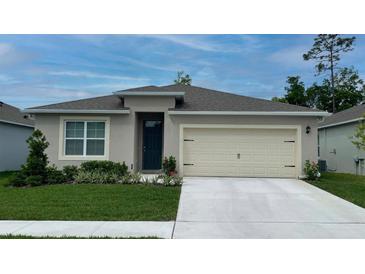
322	164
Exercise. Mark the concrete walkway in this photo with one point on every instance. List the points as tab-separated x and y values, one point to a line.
88	228
264	208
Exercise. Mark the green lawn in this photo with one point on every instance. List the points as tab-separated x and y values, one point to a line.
347	186
88	202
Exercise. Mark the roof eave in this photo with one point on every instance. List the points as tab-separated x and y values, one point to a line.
16	123
341	123
254	113
77	111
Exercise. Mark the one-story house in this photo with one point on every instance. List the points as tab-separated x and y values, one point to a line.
15	128
335	141
209	132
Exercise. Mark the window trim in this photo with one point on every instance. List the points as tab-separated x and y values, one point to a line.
62	137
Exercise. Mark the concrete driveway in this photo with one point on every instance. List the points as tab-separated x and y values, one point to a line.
264	208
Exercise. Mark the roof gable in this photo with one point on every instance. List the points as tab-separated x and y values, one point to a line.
13	115
346	116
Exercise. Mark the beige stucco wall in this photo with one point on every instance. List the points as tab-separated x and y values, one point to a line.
124	130
121	137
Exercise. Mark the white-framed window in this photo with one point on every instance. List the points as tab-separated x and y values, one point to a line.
84	138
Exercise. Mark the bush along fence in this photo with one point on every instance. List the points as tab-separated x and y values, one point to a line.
37	171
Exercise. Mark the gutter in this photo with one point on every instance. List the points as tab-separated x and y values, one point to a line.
82	111
254	113
15	123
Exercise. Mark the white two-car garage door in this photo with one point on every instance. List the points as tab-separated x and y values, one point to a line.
239	152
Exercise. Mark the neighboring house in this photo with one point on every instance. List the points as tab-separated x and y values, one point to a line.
335	146
210	133
15	128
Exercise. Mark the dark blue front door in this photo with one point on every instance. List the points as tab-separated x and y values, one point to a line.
152	145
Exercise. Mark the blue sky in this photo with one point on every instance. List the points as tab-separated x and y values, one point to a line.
43	69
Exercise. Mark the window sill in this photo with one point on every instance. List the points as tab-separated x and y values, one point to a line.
82	158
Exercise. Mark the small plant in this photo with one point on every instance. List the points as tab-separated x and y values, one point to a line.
55	176
131	179
70	173
311	170
126	179
136	178
171	180
169	165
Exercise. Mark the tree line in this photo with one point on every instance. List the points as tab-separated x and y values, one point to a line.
341	88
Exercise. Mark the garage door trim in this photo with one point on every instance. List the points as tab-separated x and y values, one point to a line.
298	129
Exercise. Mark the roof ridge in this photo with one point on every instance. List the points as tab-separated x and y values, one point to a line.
130	89
249	97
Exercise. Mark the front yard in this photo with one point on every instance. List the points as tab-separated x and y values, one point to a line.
88	202
347	186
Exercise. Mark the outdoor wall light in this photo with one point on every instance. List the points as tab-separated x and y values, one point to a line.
308	129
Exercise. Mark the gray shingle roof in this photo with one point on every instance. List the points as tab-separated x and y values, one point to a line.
12	114
195	99
347	115
109	102
202	99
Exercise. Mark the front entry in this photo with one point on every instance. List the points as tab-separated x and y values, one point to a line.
152	145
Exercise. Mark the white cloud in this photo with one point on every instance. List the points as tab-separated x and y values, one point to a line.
291	57
9	55
88	74
194	42
24	96
189	41
22	90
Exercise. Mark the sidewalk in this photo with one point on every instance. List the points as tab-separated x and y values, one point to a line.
88	228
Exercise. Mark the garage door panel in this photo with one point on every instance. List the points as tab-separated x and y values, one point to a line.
240	152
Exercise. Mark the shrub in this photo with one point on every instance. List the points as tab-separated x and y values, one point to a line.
37	160
132	178
311	170
34	180
70	173
36	164
171	180
96	177
18	180
136	178
55	176
105	166
169	165
153	180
